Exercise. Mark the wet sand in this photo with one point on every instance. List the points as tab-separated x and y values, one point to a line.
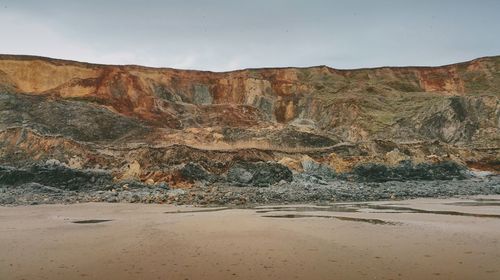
415	239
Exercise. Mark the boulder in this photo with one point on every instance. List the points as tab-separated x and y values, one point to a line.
406	171
239	175
195	172
9	199
260	174
53	175
316	169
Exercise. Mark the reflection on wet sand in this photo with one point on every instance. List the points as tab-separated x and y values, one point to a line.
436	212
387	208
371	221
330	208
413	239
475	203
90	221
201	210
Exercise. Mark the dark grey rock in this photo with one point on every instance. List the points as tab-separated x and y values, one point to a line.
130	184
318	170
260	174
54	175
134	198
239	175
82	121
39	188
195	172
162	186
7	199
406	171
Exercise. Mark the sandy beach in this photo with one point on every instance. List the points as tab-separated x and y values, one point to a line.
413	239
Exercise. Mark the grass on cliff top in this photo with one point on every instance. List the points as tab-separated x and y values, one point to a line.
380	113
483	80
383	96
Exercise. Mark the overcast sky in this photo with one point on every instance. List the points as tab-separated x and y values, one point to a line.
223	35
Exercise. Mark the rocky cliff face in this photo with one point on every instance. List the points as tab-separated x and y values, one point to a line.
154	120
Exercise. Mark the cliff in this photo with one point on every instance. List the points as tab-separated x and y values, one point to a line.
153	119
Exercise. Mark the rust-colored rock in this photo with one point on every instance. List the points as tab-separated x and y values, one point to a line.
88	115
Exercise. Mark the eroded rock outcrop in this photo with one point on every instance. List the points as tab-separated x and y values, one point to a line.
261	174
55	176
406	171
178	126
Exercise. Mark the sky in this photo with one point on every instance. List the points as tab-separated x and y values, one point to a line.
222	35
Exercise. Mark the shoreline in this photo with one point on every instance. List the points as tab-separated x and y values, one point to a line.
343	240
225	195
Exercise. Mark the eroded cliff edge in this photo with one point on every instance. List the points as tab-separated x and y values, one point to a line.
157	125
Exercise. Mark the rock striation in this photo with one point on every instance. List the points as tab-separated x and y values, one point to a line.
251	127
